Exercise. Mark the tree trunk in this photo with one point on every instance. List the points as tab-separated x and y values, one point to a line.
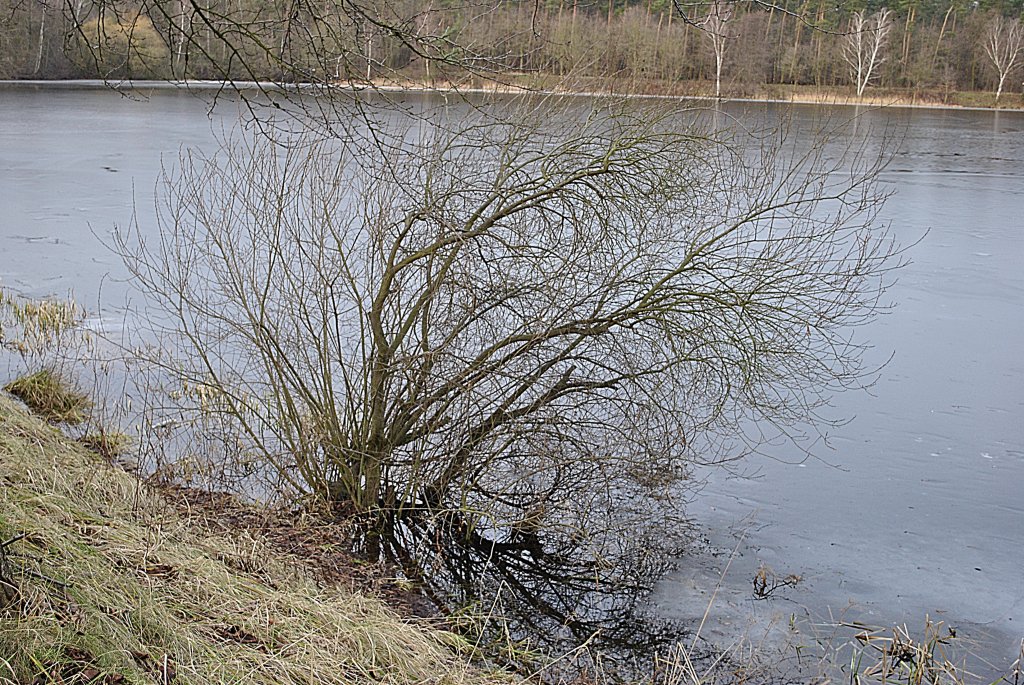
942	32
42	31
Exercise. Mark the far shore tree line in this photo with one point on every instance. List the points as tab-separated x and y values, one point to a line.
932	47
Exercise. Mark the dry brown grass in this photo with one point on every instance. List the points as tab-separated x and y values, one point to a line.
797	94
108	444
29	327
104	582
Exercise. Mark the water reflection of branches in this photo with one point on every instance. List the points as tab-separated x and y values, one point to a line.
546	588
518	349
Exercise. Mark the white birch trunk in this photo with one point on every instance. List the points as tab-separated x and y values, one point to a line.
42	32
862	50
1004	43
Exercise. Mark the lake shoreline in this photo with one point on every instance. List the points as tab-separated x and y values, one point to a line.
826	97
107	577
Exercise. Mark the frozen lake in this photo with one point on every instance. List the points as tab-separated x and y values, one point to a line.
915	507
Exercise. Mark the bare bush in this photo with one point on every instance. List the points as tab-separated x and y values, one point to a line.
508	321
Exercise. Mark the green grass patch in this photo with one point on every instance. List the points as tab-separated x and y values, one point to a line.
47	395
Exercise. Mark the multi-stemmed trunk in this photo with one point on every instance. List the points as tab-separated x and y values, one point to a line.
863	47
1004	43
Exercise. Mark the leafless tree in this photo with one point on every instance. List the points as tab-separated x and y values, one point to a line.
714	27
864	44
42	34
530	320
182	27
1004	43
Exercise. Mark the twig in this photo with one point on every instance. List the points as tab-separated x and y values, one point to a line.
7	543
45	578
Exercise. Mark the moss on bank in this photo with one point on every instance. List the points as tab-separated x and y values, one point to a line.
102	581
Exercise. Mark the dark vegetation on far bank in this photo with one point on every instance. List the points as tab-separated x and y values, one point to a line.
933	52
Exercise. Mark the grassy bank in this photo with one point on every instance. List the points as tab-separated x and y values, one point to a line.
698	90
803	94
103	580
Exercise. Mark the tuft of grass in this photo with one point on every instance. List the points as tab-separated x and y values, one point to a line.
32	326
897	657
106	582
47	395
108	444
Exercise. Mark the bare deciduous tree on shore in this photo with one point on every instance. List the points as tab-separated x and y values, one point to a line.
864	44
714	26
543	320
716	29
1004	43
